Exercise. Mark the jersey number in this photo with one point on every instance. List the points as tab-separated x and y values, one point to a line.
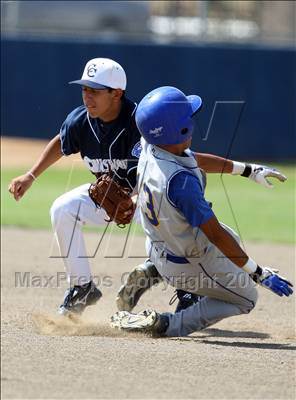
150	207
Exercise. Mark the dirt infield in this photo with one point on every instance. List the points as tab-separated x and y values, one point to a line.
47	357
20	152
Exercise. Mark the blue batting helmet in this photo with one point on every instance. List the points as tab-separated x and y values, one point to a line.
164	116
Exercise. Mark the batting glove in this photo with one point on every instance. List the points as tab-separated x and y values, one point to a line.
260	173
270	279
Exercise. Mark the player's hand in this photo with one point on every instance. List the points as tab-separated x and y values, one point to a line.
260	173
19	185
270	279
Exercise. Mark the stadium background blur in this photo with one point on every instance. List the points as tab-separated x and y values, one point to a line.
239	56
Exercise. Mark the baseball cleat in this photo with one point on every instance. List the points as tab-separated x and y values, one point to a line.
147	321
78	298
186	299
139	280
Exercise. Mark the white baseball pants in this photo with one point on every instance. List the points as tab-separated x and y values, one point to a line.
69	213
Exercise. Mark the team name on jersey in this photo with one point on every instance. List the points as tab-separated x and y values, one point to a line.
103	165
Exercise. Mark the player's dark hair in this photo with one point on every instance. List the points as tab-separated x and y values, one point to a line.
111	89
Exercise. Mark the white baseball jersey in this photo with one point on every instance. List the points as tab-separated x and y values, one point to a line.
164	224
181	252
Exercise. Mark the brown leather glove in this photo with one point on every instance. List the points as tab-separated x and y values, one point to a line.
114	198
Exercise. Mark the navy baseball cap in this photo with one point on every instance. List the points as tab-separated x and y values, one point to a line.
102	73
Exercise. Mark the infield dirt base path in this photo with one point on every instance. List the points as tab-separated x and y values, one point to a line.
49	357
22	153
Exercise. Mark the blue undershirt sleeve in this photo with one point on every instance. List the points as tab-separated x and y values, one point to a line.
186	194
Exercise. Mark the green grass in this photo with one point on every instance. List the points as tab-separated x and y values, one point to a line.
33	209
258	213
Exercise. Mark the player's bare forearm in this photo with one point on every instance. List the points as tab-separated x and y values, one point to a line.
52	152
213	164
224	241
49	156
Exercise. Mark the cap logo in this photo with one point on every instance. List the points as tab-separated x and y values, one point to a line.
156	131
91	70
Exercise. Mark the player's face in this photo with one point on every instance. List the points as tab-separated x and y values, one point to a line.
187	144
100	103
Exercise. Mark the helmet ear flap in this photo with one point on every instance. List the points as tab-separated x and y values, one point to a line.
186	132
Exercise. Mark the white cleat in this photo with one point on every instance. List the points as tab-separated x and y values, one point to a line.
145	321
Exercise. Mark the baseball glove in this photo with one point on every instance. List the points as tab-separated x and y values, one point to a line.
114	198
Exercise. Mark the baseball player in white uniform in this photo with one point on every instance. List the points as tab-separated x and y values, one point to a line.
190	248
103	130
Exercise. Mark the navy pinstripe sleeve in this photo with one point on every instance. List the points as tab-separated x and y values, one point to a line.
69	133
186	194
